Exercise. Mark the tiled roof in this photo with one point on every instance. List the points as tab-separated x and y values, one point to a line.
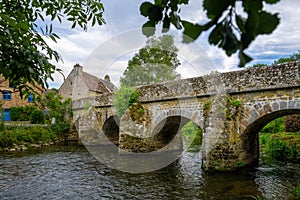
96	84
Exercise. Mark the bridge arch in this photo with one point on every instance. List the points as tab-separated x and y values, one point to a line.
111	129
250	136
167	132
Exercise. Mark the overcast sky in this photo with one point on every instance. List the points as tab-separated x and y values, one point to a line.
107	49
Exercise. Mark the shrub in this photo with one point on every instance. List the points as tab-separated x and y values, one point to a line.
280	150
60	129
21	113
297	191
263	138
7	140
193	135
274	126
37	117
124	98
2	127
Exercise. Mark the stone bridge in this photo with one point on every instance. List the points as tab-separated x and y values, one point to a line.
231	108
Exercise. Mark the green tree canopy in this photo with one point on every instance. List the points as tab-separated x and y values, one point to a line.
293	57
156	62
24	55
290	58
231	29
52	102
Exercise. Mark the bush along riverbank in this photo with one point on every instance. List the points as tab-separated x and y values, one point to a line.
277	144
23	138
281	146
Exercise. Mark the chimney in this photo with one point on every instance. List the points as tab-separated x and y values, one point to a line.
107	78
78	69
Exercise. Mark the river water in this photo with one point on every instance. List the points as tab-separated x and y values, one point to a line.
71	172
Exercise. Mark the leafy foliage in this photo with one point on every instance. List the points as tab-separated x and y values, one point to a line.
192	134
275	126
293	57
61	129
280	150
21	113
24	54
30	135
58	109
229	30
297	191
156	62
37	117
124	98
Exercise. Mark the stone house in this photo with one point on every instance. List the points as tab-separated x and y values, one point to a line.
80	84
11	98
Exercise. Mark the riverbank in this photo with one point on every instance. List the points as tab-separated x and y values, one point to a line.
21	138
282	146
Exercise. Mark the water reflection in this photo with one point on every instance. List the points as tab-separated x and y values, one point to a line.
70	172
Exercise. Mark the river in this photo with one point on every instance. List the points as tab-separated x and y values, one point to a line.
71	172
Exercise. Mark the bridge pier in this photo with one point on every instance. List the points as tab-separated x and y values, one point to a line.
220	146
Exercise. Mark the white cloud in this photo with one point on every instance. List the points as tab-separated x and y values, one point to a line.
109	57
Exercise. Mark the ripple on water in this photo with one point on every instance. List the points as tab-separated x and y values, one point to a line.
70	172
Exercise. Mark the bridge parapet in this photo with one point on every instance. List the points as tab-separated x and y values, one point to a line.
247	80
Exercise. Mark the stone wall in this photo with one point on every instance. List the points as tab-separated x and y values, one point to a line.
16	99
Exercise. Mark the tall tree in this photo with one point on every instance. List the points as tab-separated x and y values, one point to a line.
156	62
229	28
24	54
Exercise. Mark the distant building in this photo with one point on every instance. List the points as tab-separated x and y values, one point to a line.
80	84
11	98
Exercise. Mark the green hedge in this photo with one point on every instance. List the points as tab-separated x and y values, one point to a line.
21	113
37	117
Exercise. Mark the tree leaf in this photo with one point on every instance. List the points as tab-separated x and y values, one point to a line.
252	5
216	7
246	39
193	31
216	35
271	1
231	44
252	23
240	21
144	8
155	13
148	28
267	22
243	58
183	1
175	20
166	24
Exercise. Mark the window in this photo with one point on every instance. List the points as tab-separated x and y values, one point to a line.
6	95
30	98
